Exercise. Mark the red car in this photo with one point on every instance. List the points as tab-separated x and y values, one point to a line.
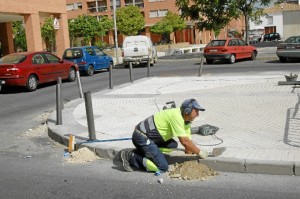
30	69
230	49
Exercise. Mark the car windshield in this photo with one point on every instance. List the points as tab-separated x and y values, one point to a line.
217	43
72	54
292	40
12	59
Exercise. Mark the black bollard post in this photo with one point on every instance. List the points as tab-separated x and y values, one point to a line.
58	106
59	82
110	76
148	67
90	115
79	84
130	72
201	65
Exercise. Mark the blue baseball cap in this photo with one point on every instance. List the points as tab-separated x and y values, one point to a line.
192	103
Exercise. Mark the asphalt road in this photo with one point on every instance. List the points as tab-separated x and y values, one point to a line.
33	166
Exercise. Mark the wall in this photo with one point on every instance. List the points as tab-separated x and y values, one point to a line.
291	23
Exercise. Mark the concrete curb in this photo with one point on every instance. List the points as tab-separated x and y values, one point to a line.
217	163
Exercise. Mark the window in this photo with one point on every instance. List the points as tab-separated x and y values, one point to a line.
74	6
38	59
270	19
52	59
90	51
242	43
217	43
157	13
98	52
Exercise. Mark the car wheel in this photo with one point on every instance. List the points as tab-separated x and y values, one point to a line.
232	59
90	70
282	59
72	75
253	55
31	83
209	61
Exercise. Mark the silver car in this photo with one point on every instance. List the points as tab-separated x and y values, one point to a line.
289	49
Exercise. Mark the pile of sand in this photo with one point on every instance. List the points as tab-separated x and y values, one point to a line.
83	155
191	170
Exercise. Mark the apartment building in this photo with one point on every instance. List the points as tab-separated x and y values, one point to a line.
32	12
153	11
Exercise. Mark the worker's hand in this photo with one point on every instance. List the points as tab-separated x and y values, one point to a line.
203	154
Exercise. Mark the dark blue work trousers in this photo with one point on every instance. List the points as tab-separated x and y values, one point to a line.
146	147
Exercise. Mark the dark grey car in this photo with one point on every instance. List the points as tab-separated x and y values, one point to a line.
289	49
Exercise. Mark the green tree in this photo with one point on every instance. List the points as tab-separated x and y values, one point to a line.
129	20
170	23
88	27
251	11
212	15
19	35
48	33
216	14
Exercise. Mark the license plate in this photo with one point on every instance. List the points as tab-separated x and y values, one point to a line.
213	51
290	47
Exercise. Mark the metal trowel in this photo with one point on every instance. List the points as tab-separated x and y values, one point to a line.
217	152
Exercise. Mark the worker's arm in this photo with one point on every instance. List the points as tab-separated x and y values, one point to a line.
189	146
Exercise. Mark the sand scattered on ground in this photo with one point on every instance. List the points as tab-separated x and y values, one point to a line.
82	155
191	170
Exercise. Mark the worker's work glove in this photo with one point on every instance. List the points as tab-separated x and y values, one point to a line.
203	154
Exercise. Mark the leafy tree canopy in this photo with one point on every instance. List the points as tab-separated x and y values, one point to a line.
170	23
88	27
129	20
216	14
19	35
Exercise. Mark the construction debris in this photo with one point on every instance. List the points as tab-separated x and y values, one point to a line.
191	170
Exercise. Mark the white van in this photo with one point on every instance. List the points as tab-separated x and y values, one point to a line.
138	49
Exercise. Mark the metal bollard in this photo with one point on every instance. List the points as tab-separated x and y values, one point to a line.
59	82
110	76
148	67
90	115
79	84
201	65
130	72
58	106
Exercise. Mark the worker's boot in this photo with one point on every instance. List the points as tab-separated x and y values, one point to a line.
149	165
125	157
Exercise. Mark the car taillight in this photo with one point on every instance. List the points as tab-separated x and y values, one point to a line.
224	50
297	47
13	70
81	63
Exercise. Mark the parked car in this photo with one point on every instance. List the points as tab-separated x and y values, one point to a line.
272	37
289	49
30	69
230	49
138	49
89	59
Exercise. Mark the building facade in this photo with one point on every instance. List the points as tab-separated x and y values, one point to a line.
33	13
153	11
281	18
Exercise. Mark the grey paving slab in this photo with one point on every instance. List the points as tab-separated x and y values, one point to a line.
259	120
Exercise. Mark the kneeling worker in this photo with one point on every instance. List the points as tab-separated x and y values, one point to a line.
156	133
